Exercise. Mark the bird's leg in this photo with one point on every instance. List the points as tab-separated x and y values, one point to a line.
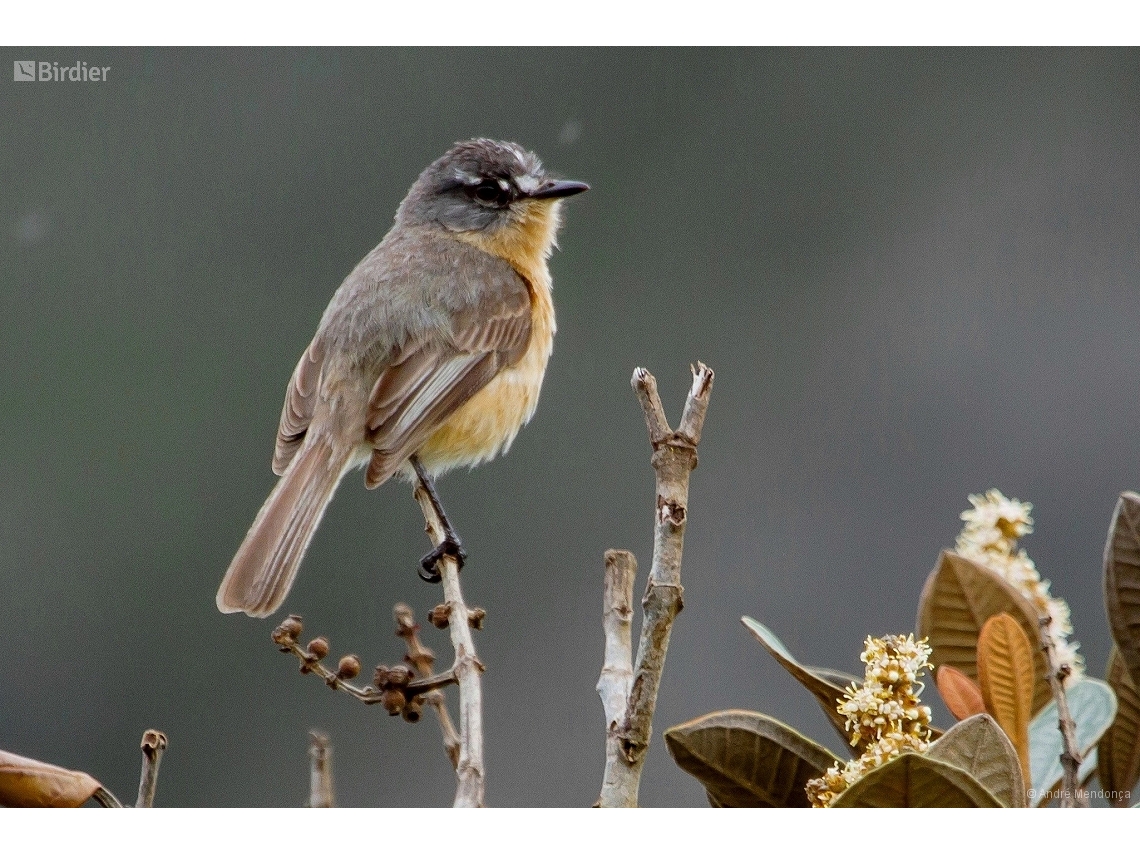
450	545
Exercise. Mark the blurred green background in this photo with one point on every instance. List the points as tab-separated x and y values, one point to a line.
915	272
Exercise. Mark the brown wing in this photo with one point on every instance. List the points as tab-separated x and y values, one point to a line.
426	384
297	412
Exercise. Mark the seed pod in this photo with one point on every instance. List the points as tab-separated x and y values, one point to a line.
440	616
399	676
414	711
380	676
319	647
281	638
393	701
475	617
348	667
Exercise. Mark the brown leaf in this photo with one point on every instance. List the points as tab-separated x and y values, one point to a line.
960	595
1118	752
1005	673
916	780
1122	581
746	759
30	783
981	748
962	696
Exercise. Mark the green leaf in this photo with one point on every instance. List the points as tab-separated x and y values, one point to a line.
1122	581
816	680
959	597
916	780
746	759
979	747
1092	705
1118	752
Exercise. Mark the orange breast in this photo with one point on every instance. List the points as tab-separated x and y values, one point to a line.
487	424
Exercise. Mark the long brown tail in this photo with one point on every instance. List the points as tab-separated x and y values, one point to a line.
263	570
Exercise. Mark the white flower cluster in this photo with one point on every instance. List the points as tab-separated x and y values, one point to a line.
989	537
884	715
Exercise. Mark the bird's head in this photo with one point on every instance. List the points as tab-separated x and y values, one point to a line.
493	194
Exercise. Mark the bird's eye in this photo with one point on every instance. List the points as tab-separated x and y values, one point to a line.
491	193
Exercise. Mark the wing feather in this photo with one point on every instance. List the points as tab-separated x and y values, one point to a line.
300	400
424	385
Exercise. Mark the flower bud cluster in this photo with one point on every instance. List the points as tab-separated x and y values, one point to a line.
989	537
884	716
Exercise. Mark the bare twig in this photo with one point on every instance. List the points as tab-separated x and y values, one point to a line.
617	668
386	680
320	771
153	744
469	771
1071	793
674	458
422	660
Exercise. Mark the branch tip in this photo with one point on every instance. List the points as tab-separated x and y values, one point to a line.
320	770
153	743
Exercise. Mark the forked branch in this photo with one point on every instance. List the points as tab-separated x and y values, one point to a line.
395	688
629	725
422	660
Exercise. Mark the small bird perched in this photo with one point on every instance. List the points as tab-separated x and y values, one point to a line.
429	356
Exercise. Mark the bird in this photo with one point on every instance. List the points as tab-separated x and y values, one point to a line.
429	356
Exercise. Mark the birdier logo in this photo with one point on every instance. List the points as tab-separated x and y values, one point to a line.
29	71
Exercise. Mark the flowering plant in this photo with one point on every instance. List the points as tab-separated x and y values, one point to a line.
1033	728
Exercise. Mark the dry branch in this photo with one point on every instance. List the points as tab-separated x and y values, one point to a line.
398	689
153	744
422	660
394	688
617	669
674	458
320	771
1071	793
469	771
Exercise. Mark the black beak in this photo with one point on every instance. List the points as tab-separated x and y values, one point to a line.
559	190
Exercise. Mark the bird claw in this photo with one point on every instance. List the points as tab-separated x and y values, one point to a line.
449	546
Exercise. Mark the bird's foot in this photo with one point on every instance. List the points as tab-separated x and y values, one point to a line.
449	546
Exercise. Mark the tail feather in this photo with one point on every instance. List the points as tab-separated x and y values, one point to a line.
263	570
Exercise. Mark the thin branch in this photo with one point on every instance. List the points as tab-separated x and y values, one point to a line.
320	771
617	668
469	771
645	385
1072	795
153	744
674	458
387	682
422	660
696	405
